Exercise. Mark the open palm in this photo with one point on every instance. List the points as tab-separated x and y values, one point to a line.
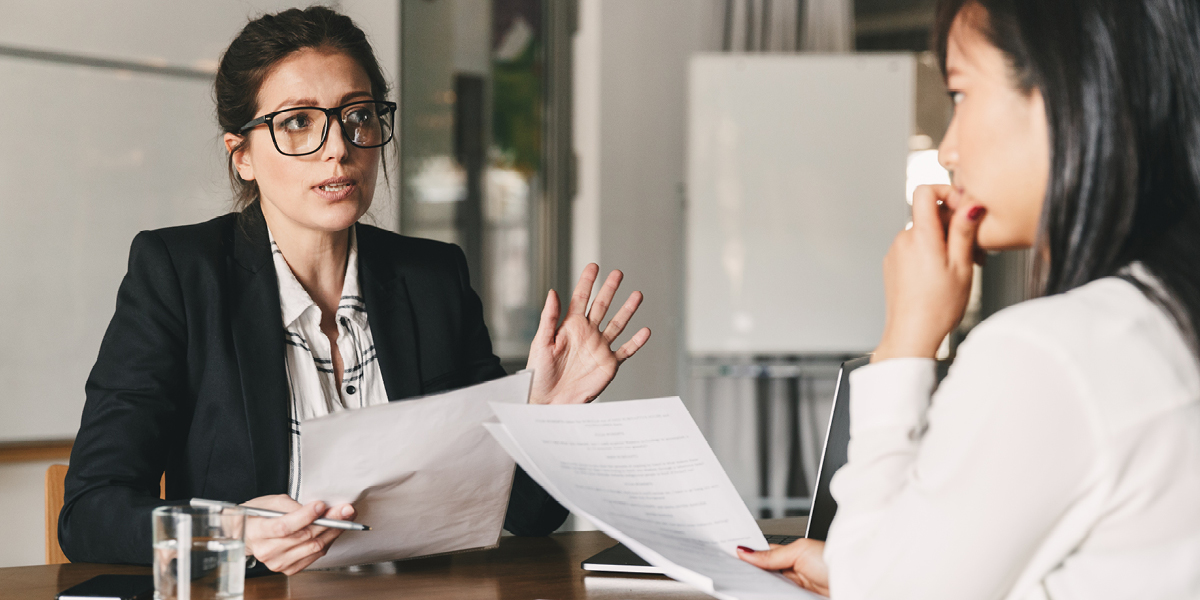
573	362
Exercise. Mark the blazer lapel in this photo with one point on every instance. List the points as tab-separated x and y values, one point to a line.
390	314
258	341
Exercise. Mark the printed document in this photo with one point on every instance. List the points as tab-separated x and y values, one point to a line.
644	474
422	473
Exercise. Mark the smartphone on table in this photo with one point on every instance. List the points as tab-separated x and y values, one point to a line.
111	587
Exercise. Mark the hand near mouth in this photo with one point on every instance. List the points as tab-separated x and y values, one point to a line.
927	274
947	205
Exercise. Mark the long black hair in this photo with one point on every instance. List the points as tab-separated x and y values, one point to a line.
1121	84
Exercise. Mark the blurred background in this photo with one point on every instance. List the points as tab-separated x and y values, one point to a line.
744	162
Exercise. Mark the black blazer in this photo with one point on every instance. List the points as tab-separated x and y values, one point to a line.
191	379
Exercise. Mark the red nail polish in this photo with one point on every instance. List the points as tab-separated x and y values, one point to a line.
976	212
745	549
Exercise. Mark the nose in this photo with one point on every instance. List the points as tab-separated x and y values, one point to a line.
948	149
336	148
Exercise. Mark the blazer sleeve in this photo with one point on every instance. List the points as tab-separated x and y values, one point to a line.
136	401
531	511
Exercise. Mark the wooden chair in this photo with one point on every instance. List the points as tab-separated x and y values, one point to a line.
55	496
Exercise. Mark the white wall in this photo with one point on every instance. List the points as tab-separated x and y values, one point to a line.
630	116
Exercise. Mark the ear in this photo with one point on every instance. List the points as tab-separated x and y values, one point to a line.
241	160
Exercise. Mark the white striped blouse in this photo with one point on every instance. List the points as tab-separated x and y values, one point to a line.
311	383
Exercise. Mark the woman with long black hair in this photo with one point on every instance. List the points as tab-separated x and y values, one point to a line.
1061	456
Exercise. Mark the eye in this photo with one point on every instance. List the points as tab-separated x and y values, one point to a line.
956	97
296	122
360	115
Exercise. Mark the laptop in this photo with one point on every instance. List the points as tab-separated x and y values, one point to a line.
619	559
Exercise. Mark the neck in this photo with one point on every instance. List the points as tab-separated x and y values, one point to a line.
317	258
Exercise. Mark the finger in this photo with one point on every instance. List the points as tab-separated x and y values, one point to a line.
270	546
302	554
548	321
344	512
778	558
960	243
604	298
279	502
618	322
296	520
634	344
926	211
980	256
583	290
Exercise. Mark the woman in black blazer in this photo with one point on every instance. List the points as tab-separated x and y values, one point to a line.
191	377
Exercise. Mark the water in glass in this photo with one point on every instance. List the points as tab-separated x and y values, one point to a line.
218	569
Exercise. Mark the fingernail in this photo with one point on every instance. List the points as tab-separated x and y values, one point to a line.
745	549
319	506
347	511
976	212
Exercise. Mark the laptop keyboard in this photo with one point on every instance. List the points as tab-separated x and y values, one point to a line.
782	540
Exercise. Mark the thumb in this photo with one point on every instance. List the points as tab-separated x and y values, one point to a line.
775	559
961	241
548	321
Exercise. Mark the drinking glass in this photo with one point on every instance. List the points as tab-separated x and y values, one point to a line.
199	553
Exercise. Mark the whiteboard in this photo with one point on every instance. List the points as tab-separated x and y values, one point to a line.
98	156
796	187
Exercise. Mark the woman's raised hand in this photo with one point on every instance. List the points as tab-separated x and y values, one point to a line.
290	543
574	362
802	561
927	275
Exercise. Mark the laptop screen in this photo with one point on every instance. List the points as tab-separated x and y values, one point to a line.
837	440
834	455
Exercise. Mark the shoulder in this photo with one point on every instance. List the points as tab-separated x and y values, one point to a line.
1107	314
184	242
415	257
1113	341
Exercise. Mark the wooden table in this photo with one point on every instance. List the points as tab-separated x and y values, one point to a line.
520	569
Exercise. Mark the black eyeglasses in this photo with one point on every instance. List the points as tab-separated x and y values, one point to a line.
302	130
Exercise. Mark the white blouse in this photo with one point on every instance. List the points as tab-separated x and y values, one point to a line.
311	383
1060	458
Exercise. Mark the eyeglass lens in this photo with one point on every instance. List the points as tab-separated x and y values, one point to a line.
300	131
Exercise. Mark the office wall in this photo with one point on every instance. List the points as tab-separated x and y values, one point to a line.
630	111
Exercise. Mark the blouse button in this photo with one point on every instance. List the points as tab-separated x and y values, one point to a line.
350	389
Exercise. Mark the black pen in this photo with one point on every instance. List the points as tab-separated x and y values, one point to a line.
262	512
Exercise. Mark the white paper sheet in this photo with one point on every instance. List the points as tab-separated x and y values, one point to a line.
644	474
422	473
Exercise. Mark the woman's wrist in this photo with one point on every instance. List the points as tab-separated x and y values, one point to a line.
889	348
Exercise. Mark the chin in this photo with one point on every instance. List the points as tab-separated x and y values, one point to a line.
337	216
996	239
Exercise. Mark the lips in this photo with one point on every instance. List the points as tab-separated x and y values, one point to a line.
336	188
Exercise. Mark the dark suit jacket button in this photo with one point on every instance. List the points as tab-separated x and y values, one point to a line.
350	389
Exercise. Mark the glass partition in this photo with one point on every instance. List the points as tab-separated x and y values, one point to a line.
477	86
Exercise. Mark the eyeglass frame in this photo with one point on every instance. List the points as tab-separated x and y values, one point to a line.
329	112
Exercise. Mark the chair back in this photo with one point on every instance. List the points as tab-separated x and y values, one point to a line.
56	475
55	490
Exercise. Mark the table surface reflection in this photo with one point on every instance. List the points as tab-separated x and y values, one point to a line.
519	569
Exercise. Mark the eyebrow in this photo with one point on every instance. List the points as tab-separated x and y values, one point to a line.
309	101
